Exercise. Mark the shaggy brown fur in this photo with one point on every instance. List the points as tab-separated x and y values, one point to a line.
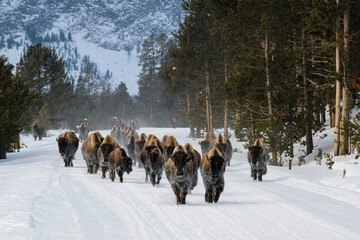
180	172
89	150
206	143
258	159
119	162
169	147
212	169
163	139
146	156
195	156
68	144
107	146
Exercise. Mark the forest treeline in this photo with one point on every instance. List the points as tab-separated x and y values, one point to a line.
268	69
272	67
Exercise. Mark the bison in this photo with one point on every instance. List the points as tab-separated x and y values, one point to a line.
68	145
139	147
206	143
258	159
131	147
83	131
89	150
107	146
212	169
196	158
179	171
119	162
224	147
38	129
169	146
153	161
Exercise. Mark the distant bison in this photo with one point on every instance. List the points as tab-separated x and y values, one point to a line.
206	143
179	171
258	159
107	146
83	131
38	129
68	145
119	162
131	147
169	146
139	147
89	150
212	169
224	147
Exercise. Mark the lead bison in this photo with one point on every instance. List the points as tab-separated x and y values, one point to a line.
83	131
258	159
212	169
68	145
107	146
153	161
179	171
89	150
38	129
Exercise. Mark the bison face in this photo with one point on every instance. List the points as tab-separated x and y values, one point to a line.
62	143
255	152
180	160
169	151
216	164
106	149
128	164
154	157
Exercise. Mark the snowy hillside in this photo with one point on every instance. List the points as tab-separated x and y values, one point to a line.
41	199
109	32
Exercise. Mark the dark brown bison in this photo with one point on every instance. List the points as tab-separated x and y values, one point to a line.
152	137
169	146
68	144
224	146
196	158
89	150
153	161
179	171
206	143
119	162
107	146
163	139
258	159
38	129
83	131
212	169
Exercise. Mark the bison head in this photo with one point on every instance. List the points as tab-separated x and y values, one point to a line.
128	164
106	149
180	160
62	143
205	146
255	153
221	147
154	156
217	164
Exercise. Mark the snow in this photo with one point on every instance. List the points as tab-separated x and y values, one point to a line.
41	199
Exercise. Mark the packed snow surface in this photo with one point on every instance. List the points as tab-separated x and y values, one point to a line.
41	199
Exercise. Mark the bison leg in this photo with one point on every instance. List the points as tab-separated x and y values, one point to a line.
96	167
217	194
119	172
210	196
158	179
183	198
152	179
178	199
229	162
103	169
112	175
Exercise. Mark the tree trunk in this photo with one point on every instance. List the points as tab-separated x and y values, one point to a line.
226	120
307	103
338	90
188	115
344	148
151	117
332	115
2	151
208	99
323	115
267	72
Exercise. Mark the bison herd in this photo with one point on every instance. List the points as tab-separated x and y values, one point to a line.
123	148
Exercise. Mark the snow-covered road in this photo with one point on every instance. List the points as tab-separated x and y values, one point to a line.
41	199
